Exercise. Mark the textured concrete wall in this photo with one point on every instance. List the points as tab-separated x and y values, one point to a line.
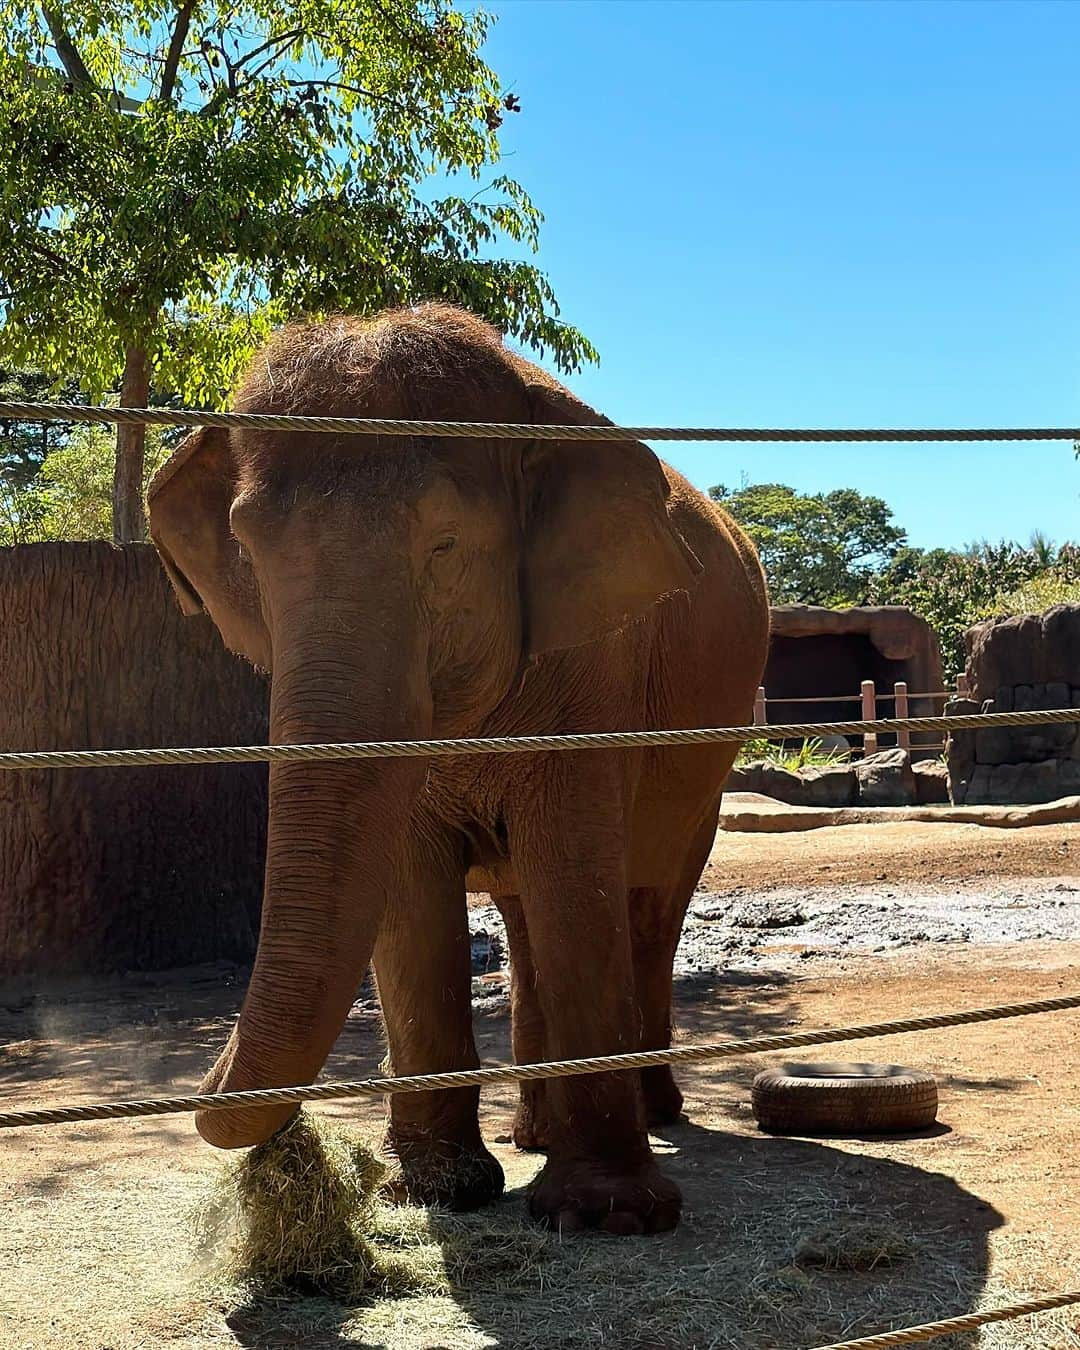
112	869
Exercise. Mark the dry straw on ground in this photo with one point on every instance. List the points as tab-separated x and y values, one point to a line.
304	1214
125	1272
314	1251
295	1213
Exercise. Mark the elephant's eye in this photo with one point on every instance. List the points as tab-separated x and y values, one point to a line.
443	546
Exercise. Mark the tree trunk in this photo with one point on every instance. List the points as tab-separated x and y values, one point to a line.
129	520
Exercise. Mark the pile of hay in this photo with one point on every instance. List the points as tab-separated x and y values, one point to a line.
296	1213
306	1214
854	1246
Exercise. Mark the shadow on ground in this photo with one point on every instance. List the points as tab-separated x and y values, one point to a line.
732	1274
784	1243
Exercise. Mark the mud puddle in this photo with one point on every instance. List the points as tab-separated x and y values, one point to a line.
787	928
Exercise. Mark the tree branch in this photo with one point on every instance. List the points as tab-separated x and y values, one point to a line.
176	48
65	49
219	88
230	69
283	39
61	264
354	89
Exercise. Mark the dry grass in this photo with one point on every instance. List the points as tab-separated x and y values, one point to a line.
294	1214
856	1246
734	1275
788	1267
98	1251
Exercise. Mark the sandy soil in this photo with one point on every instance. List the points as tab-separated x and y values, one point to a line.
836	926
908	852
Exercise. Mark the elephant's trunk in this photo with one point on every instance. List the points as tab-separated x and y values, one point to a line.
338	675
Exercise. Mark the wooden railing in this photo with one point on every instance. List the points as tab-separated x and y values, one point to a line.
869	700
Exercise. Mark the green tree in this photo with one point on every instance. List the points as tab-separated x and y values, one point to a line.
953	590
820	549
177	177
24	445
70	496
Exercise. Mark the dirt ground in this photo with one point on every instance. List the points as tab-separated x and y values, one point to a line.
834	926
907	852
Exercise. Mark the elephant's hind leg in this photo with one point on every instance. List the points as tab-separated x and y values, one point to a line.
656	920
531	1126
567	842
655	930
423	969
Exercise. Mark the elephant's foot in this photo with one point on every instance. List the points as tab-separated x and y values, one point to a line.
442	1174
663	1100
571	1194
532	1132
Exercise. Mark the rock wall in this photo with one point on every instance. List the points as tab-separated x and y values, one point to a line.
112	869
1031	661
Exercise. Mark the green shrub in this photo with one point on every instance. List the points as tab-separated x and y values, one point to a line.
809	755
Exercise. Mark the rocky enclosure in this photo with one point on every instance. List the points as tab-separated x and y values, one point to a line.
888	778
1028	662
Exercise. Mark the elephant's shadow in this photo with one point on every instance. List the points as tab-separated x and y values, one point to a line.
732	1274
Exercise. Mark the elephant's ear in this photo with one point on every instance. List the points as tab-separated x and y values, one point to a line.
600	547
189	502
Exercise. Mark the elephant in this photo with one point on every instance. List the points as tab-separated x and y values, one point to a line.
414	587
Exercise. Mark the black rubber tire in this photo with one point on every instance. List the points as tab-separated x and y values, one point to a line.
834	1099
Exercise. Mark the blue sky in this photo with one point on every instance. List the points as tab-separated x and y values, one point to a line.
819	214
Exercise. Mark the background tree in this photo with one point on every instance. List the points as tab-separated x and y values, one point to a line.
70	496
819	549
24	445
176	178
953	590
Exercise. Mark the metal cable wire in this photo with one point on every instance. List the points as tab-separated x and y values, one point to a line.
509	745
930	1331
521	1073
384	426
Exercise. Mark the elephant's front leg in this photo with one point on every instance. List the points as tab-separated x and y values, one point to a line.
569	854
423	969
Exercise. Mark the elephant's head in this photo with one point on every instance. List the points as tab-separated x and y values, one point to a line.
394	587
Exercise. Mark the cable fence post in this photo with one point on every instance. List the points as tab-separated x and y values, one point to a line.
759	707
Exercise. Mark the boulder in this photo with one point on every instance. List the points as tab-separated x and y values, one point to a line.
931	783
783	785
810	787
1009	784
886	779
1025	650
961	749
836	785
